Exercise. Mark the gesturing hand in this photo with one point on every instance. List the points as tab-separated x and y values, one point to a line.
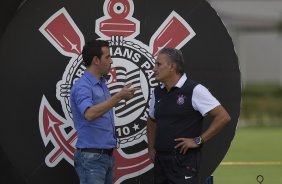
127	92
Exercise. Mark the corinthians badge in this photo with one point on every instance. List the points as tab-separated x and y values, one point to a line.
181	99
133	62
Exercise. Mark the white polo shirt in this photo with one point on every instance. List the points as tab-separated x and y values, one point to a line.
202	100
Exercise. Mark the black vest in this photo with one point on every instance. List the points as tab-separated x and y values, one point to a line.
175	115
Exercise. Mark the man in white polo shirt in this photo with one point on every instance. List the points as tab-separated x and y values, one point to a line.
174	126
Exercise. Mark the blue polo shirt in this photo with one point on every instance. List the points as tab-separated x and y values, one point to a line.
99	133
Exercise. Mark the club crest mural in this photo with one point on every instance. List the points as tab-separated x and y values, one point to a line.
48	62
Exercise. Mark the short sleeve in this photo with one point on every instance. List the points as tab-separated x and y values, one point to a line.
202	100
152	107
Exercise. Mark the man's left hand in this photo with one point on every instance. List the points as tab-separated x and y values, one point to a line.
185	144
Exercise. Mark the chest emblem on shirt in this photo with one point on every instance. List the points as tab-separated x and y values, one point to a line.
133	62
181	99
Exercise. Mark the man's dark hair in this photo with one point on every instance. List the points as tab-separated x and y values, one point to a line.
176	57
91	49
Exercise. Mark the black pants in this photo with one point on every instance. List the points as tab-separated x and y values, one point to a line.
174	168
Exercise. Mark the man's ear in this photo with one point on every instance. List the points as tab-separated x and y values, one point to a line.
95	60
173	66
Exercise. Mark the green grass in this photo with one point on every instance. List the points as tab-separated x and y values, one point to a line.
257	140
248	174
252	144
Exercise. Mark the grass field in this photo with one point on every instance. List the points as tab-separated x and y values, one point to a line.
254	151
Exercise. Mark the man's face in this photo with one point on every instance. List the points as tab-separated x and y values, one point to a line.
163	68
105	61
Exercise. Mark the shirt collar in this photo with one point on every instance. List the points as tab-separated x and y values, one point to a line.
92	78
179	83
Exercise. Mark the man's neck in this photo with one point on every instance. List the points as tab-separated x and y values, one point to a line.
172	81
94	72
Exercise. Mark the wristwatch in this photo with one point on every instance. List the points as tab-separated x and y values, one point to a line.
198	140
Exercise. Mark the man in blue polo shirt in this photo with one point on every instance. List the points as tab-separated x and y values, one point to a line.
91	106
174	125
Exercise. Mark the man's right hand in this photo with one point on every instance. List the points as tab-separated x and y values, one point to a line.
152	154
127	92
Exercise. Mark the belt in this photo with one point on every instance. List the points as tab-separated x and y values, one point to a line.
176	152
166	152
95	150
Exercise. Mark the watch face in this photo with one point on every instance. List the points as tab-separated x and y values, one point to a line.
198	140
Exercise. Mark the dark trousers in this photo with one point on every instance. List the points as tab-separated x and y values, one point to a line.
174	168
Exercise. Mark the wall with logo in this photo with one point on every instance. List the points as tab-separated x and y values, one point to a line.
40	55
